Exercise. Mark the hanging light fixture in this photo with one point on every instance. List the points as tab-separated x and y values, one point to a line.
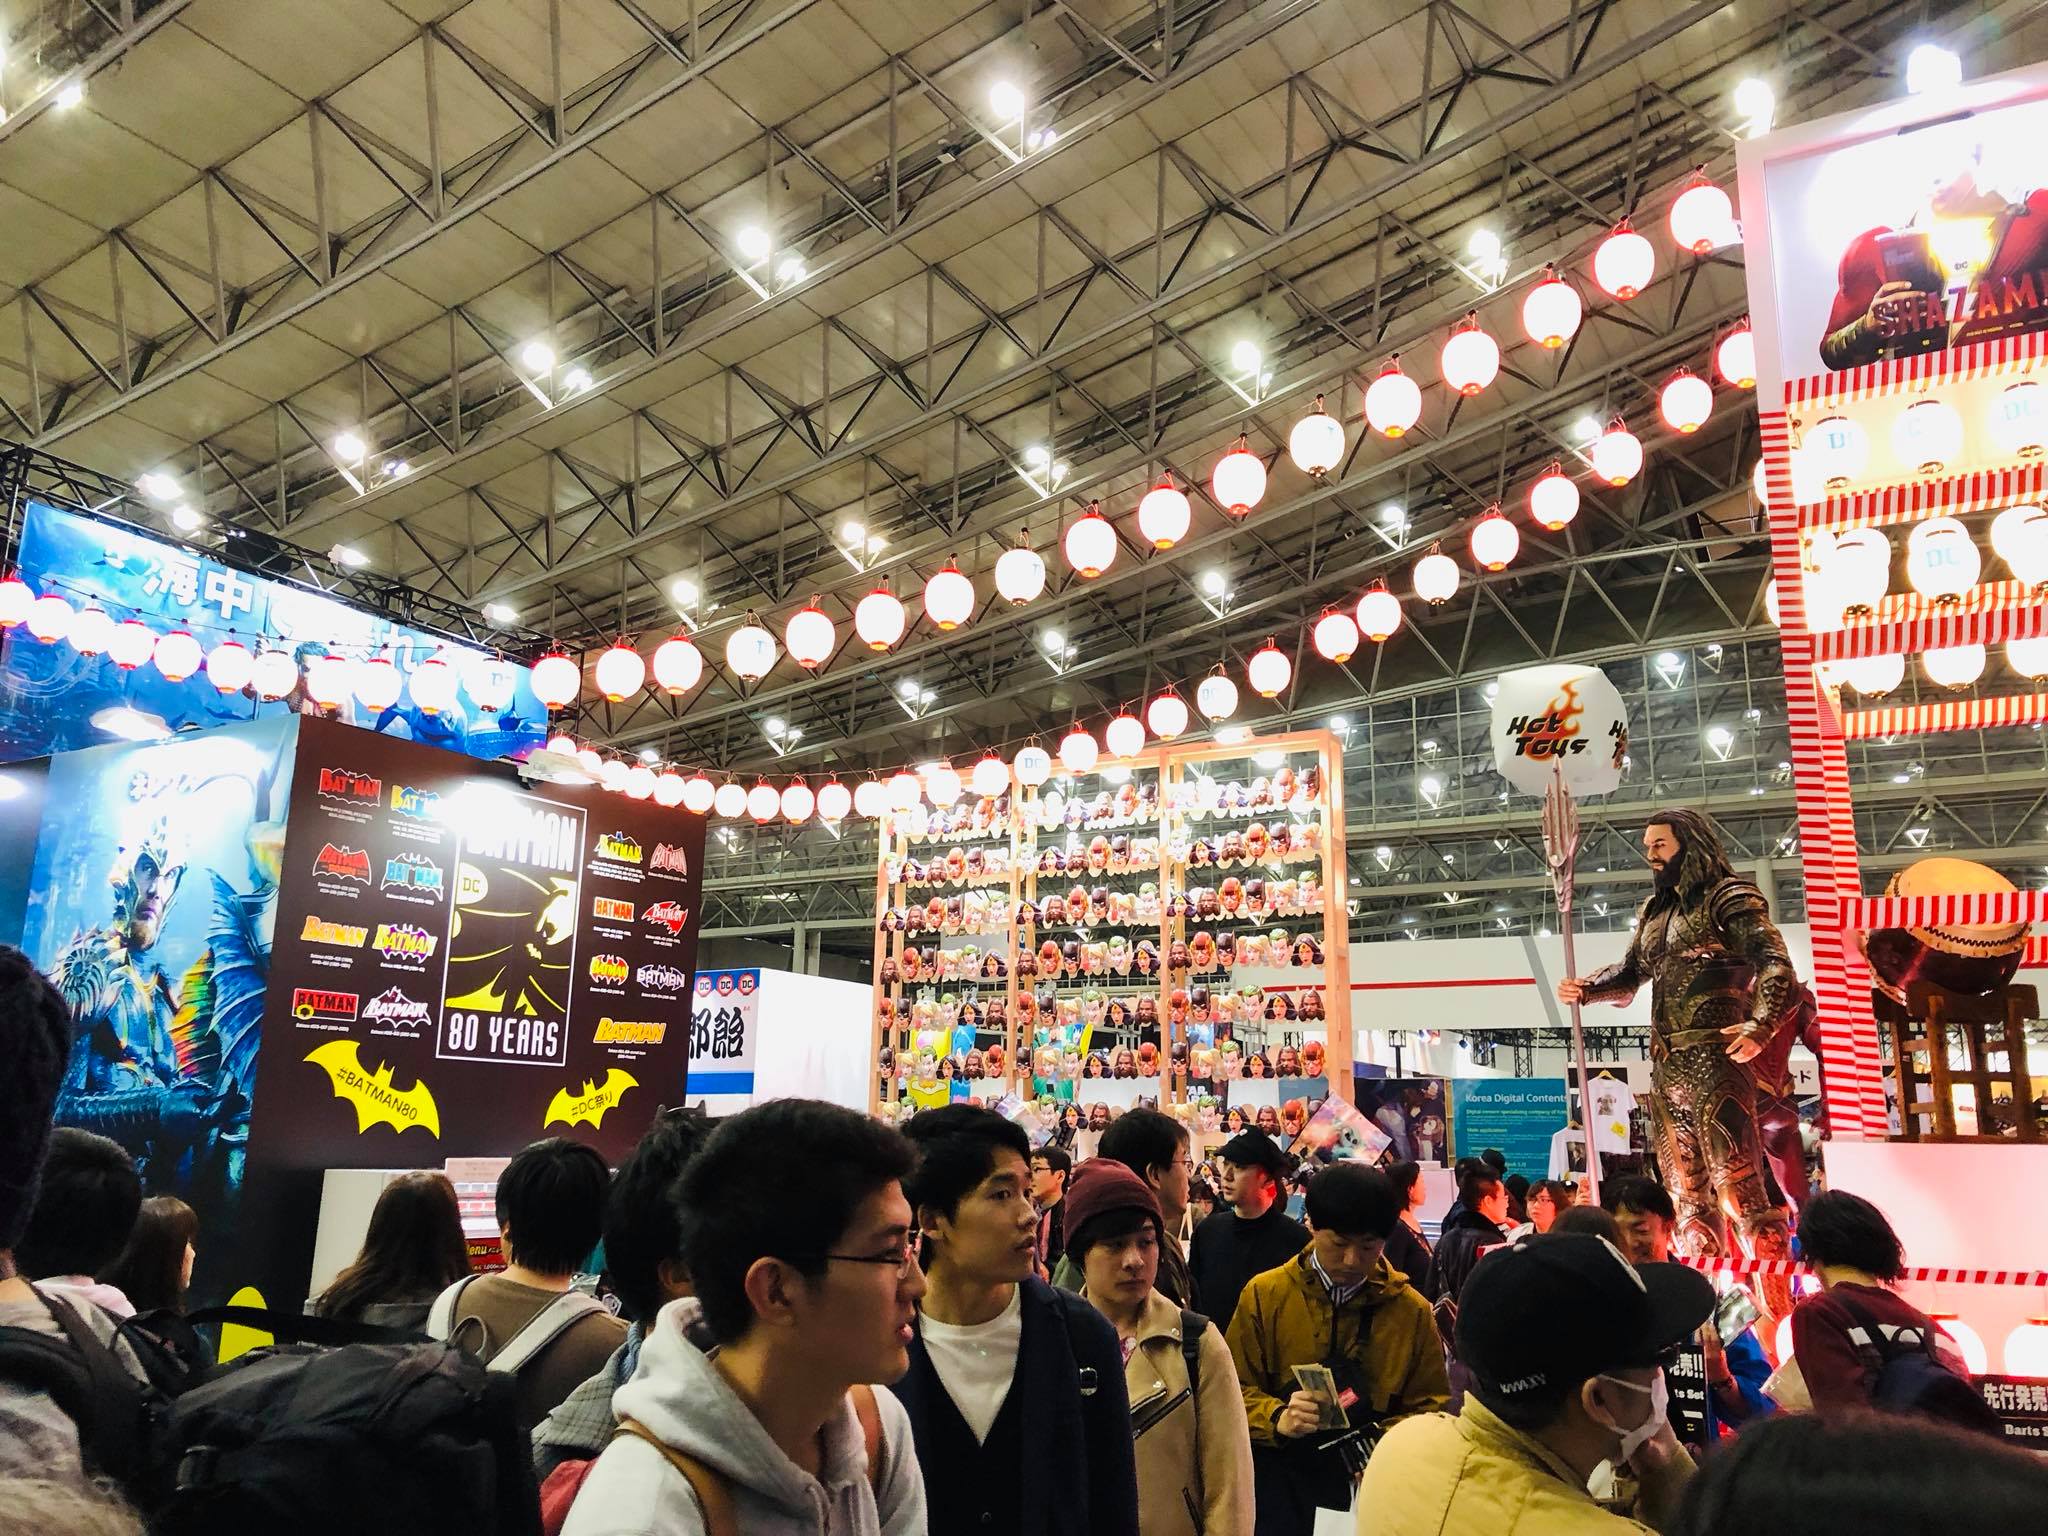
229	666
750	651
1839	449
870	798
1494	541
134	642
612	773
2026	1350
763	803
1393	401
433	684
878	619
1927	436
1032	765
991	776
1335	636
730	801
556	680
1020	572
1436	577
1857	569
1471	358
1239	480
1124	737
798	802
375	681
1317	442
1702	218
1874	676
1164	515
1953	666
2028	657
678	665
1216	696
699	794
640	782
942	785
1078	751
49	619
2019	419
1090	543
91	631
1975	1358
15	597
834	801
1379	612
562	744
1167	715
1269	671
327	680
1735	357
620	672
1616	454
274	675
2019	535
949	596
904	790
591	759
1551	311
1942	562
1554	498
178	656
1771	600
668	788
1685	403
1624	263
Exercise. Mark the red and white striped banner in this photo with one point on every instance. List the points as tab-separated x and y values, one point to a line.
1898	376
1937	1276
1978	909
1905	626
1947	715
1977	490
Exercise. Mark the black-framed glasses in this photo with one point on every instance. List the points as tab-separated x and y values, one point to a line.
905	1262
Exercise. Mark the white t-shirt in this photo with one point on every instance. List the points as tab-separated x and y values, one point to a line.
1560	1152
976	1361
1610	1103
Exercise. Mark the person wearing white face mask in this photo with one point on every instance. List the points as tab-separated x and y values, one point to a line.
1563	1338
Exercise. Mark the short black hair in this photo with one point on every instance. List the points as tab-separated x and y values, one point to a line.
551	1205
1847	1231
1495	1159
1110	1227
1056	1158
35	1042
1518	1187
1644	1197
1403	1176
1476	1182
1589	1220
1353	1200
1143	1139
739	1203
642	1225
90	1198
957	1146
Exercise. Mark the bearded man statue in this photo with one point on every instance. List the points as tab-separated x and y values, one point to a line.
1722	988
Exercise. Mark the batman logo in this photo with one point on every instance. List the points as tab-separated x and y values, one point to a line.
376	1101
589	1106
513	943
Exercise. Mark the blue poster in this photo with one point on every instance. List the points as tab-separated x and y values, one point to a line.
53	699
1518	1115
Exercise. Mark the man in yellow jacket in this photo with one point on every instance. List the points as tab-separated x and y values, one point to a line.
1563	1337
1341	1310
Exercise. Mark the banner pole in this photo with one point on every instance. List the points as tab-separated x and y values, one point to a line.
1561	847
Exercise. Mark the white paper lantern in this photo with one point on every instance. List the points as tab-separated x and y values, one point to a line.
612	773
1216	697
1269	671
1239	480
1335	636
1079	751
1393	401
1942	561
592	761
905	791
1436	578
668	789
640	782
878	619
699	794
1839	449
49	619
1771	600
834	801
1857	570
678	664
1702	218
1735	357
433	684
229	666
2019	419
2029	658
1874	676
809	637
15	597
556	680
1020	574
1317	442
2026	1349
949	597
1090	543
798	802
870	798
376	682
2019	535
1379	613
91	631
1124	737
1624	263
730	801
328	679
763	803
1686	401
1554	498
1032	765
620	672
1551	311
562	744
1471	358
1167	716
1953	666
750	651
1617	454
1927	436
991	776
274	675
1164	515
490	682
178	656
942	785
1559	717
1494	541
134	642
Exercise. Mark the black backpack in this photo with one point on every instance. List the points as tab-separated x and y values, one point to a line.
1912	1379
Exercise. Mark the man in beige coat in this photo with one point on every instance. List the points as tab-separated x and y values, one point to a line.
1193	1444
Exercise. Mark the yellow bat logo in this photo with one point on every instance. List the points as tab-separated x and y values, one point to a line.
375	1100
588	1107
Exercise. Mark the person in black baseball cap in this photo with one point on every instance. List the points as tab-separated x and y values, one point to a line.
1564	1340
1251	1233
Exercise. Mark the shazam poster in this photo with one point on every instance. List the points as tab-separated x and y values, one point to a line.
152	907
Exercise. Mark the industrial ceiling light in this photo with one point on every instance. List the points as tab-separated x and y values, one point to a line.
1932	68
537	357
348	448
753	243
1007	101
1755	104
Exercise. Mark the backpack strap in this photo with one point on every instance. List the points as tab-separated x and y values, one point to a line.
112	1395
714	1498
1889	1349
441	1315
542	1329
1192	1326
870	1415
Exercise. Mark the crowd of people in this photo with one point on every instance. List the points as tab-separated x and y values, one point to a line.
818	1323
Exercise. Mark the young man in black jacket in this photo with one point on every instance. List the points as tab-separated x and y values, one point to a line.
1250	1233
1015	1390
1481	1226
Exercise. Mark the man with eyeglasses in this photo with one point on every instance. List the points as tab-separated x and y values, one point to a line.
1015	1390
1154	1146
750	1408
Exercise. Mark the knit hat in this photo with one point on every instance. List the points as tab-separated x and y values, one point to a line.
35	1043
1103	1186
